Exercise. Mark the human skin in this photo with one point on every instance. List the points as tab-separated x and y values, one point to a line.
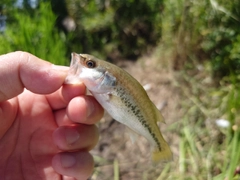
46	127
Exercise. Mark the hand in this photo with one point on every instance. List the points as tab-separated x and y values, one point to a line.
46	128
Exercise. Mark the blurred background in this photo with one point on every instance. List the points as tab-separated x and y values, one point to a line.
186	54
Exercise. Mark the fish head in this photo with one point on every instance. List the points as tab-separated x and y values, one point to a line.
92	72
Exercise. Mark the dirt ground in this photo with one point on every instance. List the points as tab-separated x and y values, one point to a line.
115	148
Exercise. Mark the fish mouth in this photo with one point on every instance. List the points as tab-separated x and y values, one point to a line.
74	70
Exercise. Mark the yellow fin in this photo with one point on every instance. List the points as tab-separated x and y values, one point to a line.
158	114
165	154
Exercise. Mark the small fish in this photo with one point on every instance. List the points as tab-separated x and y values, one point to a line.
122	97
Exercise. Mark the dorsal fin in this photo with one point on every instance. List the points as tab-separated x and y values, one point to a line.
159	118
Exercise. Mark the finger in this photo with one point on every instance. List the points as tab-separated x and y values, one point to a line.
84	109
76	137
74	164
78	112
61	118
61	98
68	178
7	115
21	69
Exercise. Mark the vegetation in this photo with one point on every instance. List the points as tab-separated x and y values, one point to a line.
34	32
201	38
109	26
199	41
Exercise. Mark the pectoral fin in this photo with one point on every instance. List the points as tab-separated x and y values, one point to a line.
109	80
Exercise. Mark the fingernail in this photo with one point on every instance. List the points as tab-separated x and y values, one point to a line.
91	107
71	135
67	160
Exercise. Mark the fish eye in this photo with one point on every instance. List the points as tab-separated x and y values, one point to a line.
91	64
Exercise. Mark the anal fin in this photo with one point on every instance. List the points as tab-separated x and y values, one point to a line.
132	134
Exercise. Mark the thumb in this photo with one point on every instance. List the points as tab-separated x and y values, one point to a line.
19	70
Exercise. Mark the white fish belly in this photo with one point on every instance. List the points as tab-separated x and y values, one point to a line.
121	113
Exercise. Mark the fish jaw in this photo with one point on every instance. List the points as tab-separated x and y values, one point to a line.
74	70
97	79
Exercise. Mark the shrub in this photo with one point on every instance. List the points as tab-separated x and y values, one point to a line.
36	34
128	26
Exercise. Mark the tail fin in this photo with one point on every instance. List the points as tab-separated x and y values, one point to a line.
164	154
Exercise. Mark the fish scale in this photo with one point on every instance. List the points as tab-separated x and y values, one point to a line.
132	108
122	97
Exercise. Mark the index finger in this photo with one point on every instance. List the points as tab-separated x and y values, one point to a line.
60	98
19	70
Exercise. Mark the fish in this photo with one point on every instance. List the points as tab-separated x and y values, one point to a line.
123	97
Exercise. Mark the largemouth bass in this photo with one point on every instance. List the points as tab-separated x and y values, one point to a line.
122	97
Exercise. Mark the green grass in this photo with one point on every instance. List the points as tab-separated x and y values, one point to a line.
116	169
207	151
